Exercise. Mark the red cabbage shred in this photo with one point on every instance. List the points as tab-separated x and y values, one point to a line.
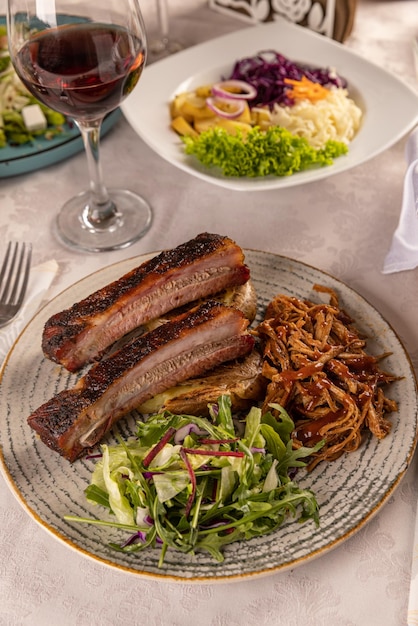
267	70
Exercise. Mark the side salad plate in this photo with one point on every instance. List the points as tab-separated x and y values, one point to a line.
349	490
41	152
389	106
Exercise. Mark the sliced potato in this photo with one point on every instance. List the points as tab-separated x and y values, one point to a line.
260	117
197	109
191	115
202	125
233	126
176	106
204	92
245	115
182	127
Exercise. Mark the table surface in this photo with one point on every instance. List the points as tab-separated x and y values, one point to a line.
342	225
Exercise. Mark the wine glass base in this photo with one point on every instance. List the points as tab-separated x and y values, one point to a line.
162	48
130	222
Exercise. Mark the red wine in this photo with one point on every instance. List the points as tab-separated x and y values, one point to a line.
81	70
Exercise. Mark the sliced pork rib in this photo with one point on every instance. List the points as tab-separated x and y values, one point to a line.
186	347
242	297
199	268
241	379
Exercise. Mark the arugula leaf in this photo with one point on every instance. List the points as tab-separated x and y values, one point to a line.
283	425
222	414
274	442
97	495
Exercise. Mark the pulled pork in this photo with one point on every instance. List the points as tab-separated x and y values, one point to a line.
319	371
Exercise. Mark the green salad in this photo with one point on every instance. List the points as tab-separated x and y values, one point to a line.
193	483
275	151
14	97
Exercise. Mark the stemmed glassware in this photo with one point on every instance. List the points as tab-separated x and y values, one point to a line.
163	45
82	58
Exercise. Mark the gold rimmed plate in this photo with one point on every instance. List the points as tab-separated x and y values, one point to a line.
349	491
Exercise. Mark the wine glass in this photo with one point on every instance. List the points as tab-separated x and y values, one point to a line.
162	46
82	58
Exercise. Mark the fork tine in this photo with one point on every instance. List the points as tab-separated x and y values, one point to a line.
17	268
15	273
24	285
10	269
5	262
18	272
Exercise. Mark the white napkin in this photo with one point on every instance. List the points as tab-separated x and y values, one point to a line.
40	280
403	253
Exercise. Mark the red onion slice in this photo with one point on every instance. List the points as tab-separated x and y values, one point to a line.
241	90
185	430
236	107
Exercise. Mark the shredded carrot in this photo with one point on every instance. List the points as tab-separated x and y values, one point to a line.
305	89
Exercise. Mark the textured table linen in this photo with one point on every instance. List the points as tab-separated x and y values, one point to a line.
342	225
40	281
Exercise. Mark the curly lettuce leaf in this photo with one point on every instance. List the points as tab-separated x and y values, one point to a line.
274	152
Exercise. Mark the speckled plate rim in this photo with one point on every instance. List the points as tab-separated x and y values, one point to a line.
397	453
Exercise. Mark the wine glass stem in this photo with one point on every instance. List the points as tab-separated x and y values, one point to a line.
100	208
162	13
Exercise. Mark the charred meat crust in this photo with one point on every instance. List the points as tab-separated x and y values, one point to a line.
102	375
198	268
188	346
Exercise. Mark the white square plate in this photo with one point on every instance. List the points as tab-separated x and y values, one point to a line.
390	106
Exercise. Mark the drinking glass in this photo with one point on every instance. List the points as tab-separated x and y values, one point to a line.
163	45
82	58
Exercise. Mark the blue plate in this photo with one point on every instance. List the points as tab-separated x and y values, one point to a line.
42	152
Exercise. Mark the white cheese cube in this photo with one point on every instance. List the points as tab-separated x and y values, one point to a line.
33	117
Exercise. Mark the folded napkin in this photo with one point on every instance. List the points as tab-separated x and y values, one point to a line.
40	280
403	253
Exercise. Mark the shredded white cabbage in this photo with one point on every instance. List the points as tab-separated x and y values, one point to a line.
335	117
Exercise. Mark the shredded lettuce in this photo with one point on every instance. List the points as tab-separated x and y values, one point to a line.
273	152
210	489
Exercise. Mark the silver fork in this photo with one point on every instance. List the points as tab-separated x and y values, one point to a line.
14	276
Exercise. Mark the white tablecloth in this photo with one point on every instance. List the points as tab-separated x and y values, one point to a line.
342	225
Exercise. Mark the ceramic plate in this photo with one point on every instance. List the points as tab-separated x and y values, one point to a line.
349	491
42	152
390	107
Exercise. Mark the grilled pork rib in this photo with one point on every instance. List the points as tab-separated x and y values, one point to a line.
241	379
242	297
186	347
199	268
